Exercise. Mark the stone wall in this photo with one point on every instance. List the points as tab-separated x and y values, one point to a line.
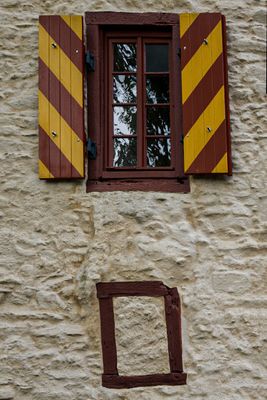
57	241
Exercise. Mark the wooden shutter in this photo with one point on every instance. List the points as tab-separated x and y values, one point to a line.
205	94
61	113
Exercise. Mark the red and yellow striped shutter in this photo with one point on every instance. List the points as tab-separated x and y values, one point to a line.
205	94
61	114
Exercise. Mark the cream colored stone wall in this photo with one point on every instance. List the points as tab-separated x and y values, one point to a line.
57	241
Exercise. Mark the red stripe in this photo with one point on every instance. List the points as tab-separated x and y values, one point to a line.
67	106
46	142
202	95
212	153
195	35
62	34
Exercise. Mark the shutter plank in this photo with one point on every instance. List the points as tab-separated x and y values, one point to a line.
65	89
44	153
61	119
77	72
54	96
204	95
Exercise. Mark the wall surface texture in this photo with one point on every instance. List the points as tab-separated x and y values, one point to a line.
57	241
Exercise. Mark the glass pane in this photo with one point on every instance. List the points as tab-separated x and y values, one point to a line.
124	89
158	152
157	89
124	57
157	58
124	152
124	120
158	121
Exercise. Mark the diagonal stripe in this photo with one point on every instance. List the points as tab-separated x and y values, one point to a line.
75	23
49	143
66	98
66	34
201	62
76	75
222	165
186	20
44	156
211	154
199	99
65	131
199	30
44	172
198	136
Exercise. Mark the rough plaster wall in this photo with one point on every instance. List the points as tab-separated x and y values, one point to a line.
57	241
141	344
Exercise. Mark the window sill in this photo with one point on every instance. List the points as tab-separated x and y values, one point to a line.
148	185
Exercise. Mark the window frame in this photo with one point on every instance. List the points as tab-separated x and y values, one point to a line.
101	178
105	293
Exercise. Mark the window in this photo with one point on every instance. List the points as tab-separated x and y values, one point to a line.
158	108
134	107
105	294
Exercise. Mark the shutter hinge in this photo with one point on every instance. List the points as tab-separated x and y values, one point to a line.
91	149
90	61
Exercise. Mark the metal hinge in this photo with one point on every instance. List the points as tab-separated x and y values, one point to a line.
90	61
91	149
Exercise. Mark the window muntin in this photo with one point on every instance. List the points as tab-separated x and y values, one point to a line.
140	105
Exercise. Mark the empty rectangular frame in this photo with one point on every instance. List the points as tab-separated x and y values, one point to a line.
105	293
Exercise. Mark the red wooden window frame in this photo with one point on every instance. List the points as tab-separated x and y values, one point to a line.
101	27
105	293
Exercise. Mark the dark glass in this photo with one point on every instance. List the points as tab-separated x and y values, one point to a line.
124	120
157	57
158	121
124	57
157	89
124	152
124	89
158	152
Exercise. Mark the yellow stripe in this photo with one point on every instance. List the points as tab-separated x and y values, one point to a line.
198	136
76	75
186	20
44	173
201	62
222	166
76	158
75	22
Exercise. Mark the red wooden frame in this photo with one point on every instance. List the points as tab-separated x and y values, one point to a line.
100	177
105	294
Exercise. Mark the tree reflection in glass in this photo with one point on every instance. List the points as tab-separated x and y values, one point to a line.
124	57
157	89
158	152
124	89
124	120
158	121
124	152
